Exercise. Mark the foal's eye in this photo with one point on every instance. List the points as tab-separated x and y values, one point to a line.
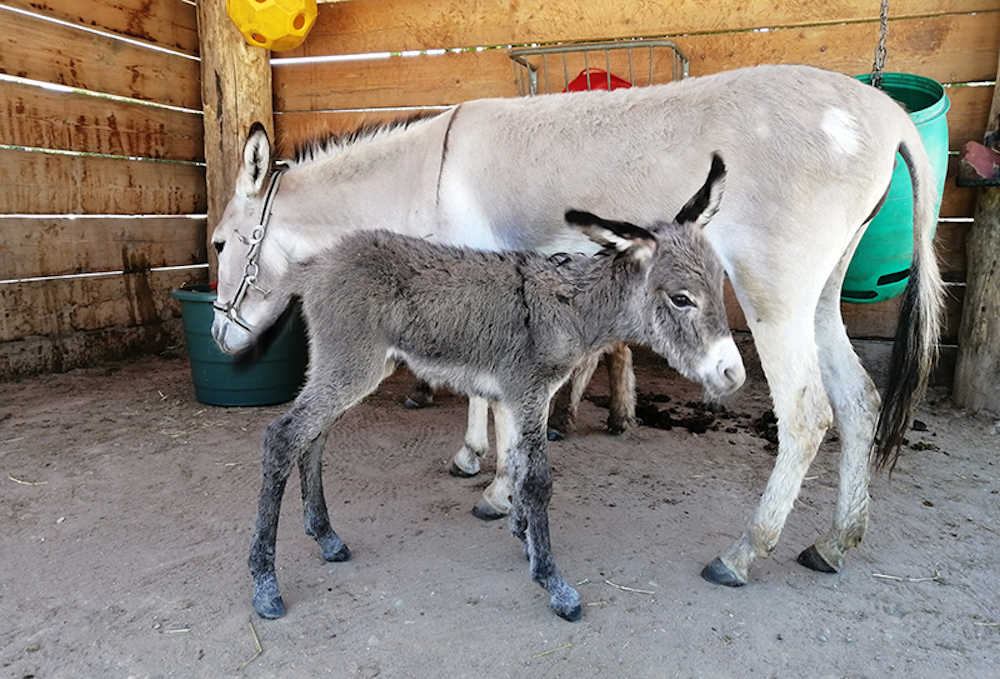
681	300
219	244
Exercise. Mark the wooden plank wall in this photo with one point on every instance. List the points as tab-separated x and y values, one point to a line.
953	41
102	180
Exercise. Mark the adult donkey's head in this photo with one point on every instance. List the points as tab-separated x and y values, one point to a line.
678	306
251	295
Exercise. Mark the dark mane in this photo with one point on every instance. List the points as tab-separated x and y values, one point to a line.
324	142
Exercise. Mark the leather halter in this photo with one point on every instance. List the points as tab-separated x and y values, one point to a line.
251	269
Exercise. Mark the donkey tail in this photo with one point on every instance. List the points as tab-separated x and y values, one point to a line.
914	351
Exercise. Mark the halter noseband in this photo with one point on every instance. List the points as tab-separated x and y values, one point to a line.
251	268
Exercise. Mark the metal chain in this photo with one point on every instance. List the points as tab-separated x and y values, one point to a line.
880	51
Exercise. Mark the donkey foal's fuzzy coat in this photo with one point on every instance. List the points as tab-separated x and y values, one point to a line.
508	327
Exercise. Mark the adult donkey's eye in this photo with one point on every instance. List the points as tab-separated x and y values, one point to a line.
680	300
219	244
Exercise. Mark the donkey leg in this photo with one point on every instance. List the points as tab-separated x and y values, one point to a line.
496	499
420	396
562	419
621	384
314	512
285	441
466	461
533	490
789	358
855	403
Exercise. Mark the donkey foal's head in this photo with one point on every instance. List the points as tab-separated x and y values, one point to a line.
678	307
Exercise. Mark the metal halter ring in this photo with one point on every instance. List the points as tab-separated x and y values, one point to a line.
251	269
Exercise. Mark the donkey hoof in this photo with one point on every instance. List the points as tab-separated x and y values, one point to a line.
617	426
487	512
811	558
267	600
417	400
334	549
457	471
554	434
719	573
566	604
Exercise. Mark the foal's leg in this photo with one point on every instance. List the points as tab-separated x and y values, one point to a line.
466	460
496	499
566	405
855	403
532	492
788	355
314	512
291	436
621	385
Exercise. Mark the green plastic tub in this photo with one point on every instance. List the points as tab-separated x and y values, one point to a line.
275	377
880	267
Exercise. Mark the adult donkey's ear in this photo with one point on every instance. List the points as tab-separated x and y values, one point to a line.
705	203
256	161
633	240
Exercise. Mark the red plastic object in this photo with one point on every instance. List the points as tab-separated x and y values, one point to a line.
598	81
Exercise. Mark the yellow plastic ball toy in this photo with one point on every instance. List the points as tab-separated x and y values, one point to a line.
273	24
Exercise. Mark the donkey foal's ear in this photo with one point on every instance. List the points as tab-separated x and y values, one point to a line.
256	161
622	236
705	203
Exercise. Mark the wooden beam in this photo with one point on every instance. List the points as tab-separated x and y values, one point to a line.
71	121
236	91
42	50
398	25
169	23
55	183
56	246
977	370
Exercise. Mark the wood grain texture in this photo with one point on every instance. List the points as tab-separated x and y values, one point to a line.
70	121
969	114
977	370
44	183
38	355
61	307
952	48
236	88
168	23
394	25
41	50
54	246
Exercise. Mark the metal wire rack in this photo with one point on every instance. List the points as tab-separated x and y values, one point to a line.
541	70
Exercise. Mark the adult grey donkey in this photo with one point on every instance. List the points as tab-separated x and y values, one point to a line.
381	298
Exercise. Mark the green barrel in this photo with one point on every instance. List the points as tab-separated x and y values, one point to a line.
275	377
881	264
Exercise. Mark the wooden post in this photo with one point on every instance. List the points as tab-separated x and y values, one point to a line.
977	372
235	93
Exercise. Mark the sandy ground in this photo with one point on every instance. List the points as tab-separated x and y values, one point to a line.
124	541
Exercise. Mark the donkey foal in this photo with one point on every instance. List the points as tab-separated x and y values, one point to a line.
508	327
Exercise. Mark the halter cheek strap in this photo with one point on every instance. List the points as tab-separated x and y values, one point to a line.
251	269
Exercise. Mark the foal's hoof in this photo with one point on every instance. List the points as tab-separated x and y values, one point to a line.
566	604
487	512
620	425
266	598
334	549
719	573
554	434
455	470
811	558
418	400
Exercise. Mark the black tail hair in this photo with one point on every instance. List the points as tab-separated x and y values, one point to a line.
914	350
